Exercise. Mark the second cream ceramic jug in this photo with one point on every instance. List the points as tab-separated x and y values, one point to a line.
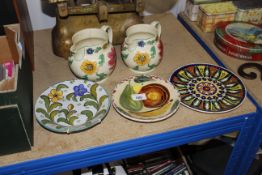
92	55
142	49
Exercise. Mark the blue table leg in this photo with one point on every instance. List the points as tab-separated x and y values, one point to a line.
240	155
254	143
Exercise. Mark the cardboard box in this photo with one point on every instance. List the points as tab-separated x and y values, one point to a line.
16	117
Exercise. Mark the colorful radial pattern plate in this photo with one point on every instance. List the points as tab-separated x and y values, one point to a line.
208	88
72	106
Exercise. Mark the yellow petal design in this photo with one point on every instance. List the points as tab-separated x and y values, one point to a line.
141	58
88	67
55	95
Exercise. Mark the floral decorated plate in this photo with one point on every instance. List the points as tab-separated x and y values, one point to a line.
208	88
145	99
72	106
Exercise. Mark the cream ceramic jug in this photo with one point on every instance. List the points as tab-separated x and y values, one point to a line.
142	49
92	55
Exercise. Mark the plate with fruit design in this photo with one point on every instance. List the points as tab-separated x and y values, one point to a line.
72	106
145	98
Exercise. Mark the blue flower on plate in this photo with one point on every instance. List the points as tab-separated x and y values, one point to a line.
79	90
141	43
90	51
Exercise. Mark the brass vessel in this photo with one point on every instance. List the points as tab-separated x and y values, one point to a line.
74	15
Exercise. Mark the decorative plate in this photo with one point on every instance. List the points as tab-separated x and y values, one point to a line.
208	88
242	37
145	99
72	106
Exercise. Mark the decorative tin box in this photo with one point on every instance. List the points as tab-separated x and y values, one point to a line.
16	119
211	14
239	39
192	7
249	11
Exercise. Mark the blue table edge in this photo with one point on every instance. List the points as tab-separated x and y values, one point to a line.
129	148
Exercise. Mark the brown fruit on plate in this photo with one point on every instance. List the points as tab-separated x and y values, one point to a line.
157	95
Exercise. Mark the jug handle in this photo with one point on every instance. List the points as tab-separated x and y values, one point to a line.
157	25
109	31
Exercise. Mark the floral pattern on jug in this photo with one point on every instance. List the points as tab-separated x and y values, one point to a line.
92	54
142	49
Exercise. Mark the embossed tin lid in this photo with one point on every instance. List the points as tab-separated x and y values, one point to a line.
240	38
218	8
240	34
